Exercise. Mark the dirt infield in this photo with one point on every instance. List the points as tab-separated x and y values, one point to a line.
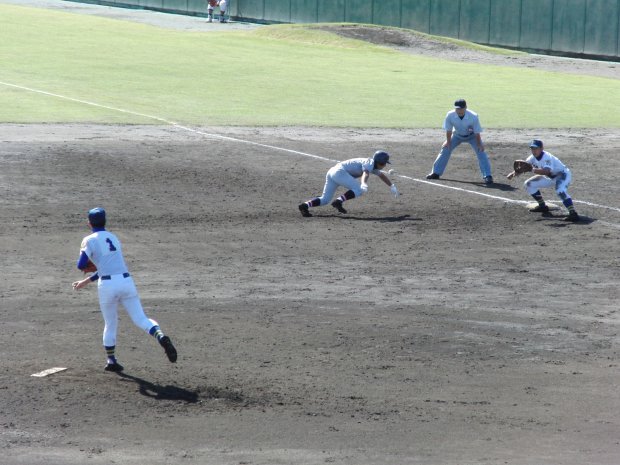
448	327
442	328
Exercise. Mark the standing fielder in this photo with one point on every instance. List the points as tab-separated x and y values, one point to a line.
462	125
346	173
115	285
549	171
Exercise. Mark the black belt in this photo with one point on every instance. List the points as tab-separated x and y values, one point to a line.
125	275
468	135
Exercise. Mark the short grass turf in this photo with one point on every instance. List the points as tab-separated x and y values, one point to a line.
271	76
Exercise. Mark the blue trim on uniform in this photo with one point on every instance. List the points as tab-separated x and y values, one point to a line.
94	277
98	229
82	261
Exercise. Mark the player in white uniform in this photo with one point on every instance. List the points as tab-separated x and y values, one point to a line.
548	171
462	125
115	285
352	174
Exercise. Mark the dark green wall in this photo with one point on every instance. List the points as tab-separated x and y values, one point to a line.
586	27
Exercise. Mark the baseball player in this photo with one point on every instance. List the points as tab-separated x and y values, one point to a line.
211	4
352	174
548	171
462	125
115	285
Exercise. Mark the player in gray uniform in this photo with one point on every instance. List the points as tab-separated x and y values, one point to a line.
352	174
548	171
462	125
115	285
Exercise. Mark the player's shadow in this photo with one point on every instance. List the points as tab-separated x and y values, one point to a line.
381	219
496	185
156	391
557	221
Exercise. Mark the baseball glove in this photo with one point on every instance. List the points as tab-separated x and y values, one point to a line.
90	267
521	166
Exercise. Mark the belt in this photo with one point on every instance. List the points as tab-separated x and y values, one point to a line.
106	277
467	135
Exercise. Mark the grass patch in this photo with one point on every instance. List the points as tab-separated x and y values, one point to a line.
275	75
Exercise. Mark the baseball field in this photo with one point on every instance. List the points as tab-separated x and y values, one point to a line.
450	326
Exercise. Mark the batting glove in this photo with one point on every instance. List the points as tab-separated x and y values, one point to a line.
395	192
364	188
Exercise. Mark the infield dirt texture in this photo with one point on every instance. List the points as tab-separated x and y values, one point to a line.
442	328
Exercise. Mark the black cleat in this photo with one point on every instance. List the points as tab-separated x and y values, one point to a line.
305	212
171	352
337	204
540	209
488	180
572	216
432	176
114	367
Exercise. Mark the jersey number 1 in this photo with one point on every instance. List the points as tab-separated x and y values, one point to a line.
112	248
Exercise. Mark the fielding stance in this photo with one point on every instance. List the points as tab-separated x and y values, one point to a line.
211	4
346	174
462	125
549	171
115	285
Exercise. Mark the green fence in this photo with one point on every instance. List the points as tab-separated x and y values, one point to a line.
575	27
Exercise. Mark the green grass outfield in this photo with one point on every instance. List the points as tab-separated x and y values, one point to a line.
275	75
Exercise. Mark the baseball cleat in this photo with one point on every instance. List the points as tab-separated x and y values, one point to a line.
572	216
114	367
432	176
305	212
337	204
171	352
540	209
488	180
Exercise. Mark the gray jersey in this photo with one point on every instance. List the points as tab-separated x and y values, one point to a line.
469	125
356	166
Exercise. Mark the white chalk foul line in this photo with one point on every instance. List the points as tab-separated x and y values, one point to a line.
273	147
162	120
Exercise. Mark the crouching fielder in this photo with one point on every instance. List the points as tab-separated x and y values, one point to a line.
549	171
352	174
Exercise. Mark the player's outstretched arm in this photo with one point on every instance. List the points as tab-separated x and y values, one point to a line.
77	285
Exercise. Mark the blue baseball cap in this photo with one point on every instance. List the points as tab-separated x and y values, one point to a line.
536	144
96	217
381	157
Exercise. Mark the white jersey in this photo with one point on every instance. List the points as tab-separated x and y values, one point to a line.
469	125
547	160
104	250
356	166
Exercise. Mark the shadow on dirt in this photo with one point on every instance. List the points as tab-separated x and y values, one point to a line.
156	391
558	221
384	219
496	185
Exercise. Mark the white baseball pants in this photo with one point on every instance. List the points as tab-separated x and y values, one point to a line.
113	291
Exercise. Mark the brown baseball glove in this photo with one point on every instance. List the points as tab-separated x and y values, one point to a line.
521	166
90	267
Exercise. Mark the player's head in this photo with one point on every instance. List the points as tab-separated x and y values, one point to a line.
96	217
536	146
460	106
381	159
